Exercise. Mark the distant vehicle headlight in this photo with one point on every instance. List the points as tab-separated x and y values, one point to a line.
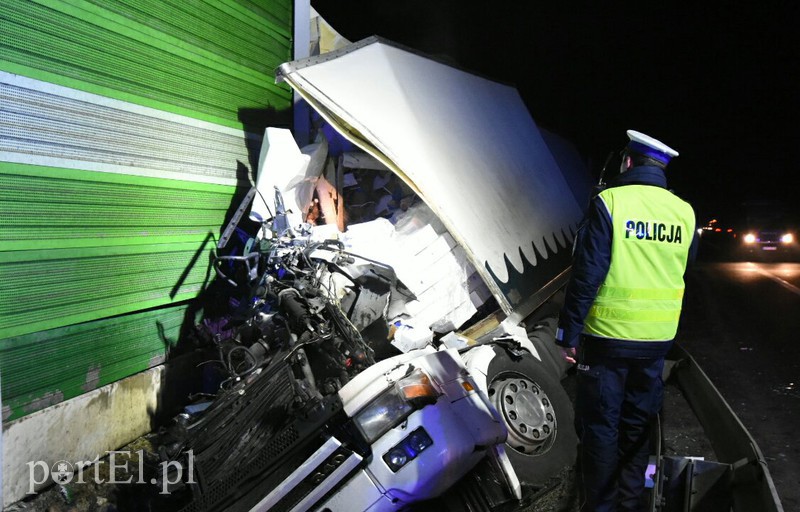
787	238
412	392
749	238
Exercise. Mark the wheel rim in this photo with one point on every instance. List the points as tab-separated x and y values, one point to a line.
527	412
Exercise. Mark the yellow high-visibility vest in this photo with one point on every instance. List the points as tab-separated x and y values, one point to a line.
642	294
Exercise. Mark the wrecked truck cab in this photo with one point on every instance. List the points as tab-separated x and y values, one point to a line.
504	192
317	410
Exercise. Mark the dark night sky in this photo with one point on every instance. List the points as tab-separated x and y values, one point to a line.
715	80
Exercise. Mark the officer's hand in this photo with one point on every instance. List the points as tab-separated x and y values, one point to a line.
568	354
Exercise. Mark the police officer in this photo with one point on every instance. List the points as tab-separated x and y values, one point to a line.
621	311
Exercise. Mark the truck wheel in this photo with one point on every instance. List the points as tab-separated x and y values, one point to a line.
537	413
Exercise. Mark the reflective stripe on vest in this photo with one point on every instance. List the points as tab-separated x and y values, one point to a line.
642	294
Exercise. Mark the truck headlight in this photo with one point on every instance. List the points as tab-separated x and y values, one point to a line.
749	238
387	410
407	450
787	238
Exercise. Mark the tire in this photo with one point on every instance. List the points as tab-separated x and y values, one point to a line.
538	415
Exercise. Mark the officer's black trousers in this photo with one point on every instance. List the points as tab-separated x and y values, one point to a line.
616	400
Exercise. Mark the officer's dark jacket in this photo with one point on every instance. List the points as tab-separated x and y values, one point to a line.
591	261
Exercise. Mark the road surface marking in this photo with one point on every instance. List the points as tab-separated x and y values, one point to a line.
789	286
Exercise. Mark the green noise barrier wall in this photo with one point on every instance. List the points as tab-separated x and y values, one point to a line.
204	59
121	149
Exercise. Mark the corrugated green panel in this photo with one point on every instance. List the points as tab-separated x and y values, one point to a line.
280	11
72	286
71	360
80	245
54	208
205	60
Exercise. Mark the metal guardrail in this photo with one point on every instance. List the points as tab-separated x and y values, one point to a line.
739	480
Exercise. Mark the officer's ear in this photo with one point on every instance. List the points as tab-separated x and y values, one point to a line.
626	163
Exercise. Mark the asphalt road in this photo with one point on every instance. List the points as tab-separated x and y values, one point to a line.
741	322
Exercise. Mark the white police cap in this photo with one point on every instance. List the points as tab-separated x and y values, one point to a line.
648	146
